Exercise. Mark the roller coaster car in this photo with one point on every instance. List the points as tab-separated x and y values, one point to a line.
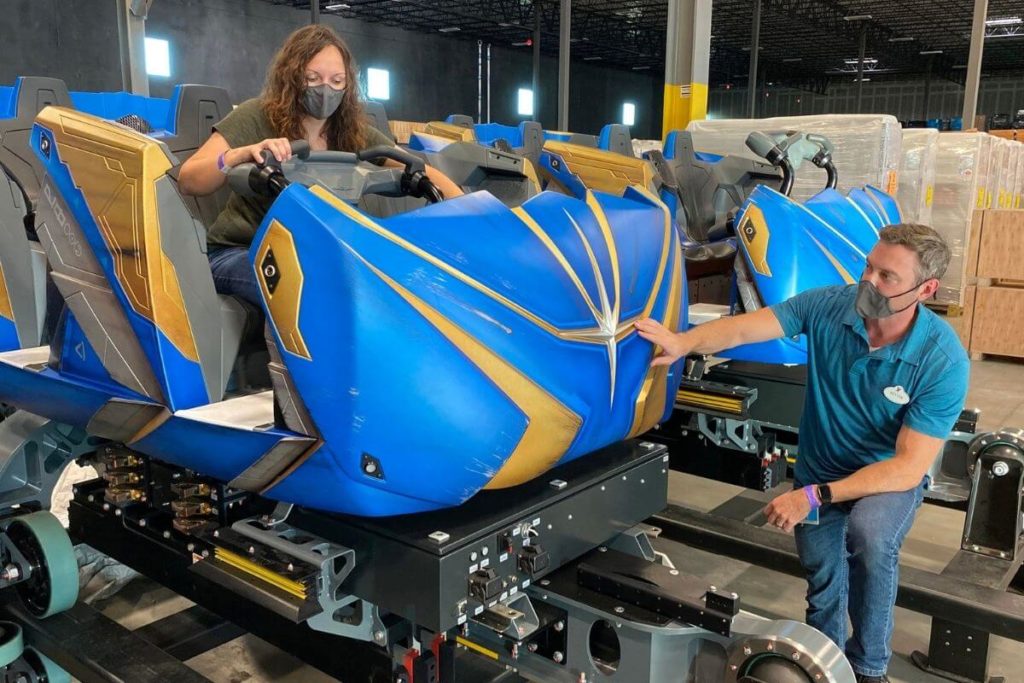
464	321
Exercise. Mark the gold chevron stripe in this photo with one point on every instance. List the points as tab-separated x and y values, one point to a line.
847	278
551	426
286	301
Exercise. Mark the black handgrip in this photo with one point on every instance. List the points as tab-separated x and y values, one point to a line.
407	159
300	149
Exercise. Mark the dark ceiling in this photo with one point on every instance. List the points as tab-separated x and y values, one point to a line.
805	43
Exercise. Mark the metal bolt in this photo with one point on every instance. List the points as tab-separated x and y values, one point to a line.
206	553
1000	469
91	498
378	637
252	550
117	512
713	589
167	534
557	657
570	516
544	582
747	650
673	572
10	573
796	656
106	507
291	567
620	610
142	522
532	647
602	549
559	626
733	667
190	547
771	647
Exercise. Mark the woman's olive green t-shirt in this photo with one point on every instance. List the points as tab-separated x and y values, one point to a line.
247	124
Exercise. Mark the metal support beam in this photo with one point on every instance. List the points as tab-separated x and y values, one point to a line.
687	62
974	62
536	61
131	32
860	67
927	89
755	45
564	31
314	12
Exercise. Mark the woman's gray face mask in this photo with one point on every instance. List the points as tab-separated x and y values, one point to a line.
320	101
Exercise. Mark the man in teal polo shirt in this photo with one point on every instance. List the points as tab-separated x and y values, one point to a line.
886	381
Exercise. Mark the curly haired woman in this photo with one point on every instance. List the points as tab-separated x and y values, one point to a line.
311	94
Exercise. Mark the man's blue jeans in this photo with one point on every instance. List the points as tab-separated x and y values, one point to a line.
852	562
233	274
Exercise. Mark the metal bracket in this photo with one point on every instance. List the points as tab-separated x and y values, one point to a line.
341	613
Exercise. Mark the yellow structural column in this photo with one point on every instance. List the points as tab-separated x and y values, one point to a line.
687	54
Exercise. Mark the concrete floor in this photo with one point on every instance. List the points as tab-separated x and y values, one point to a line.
997	389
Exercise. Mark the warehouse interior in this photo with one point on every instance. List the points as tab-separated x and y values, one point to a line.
425	341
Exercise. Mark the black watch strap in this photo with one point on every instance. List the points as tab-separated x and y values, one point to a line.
824	494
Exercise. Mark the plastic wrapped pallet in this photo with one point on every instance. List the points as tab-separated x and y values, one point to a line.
1006	170
867	146
958	158
1009	186
917	174
641	146
995	162
1018	195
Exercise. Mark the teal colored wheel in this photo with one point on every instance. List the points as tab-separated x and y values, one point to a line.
45	669
52	585
12	644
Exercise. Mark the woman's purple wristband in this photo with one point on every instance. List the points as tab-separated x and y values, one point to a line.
812	498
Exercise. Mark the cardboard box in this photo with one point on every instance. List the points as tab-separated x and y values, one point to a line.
997	313
1001	245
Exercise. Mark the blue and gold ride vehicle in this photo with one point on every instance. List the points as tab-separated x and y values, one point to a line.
415	359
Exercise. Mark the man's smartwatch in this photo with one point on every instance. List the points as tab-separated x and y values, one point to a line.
824	494
222	164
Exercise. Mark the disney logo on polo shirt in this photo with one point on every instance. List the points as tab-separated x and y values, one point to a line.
897	395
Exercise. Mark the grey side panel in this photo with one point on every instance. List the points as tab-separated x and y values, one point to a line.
85	289
293	410
38	256
199	108
378	118
120	419
183	240
475	167
583	139
15	155
463	120
533	140
619	139
16	261
233	323
261	473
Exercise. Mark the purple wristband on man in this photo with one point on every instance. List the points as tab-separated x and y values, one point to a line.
812	497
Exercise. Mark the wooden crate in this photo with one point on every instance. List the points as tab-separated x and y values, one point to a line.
1000	245
959	316
997	316
402	130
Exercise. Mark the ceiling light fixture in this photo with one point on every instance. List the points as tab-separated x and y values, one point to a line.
1005	21
930	52
857	17
449	29
901	39
336	6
